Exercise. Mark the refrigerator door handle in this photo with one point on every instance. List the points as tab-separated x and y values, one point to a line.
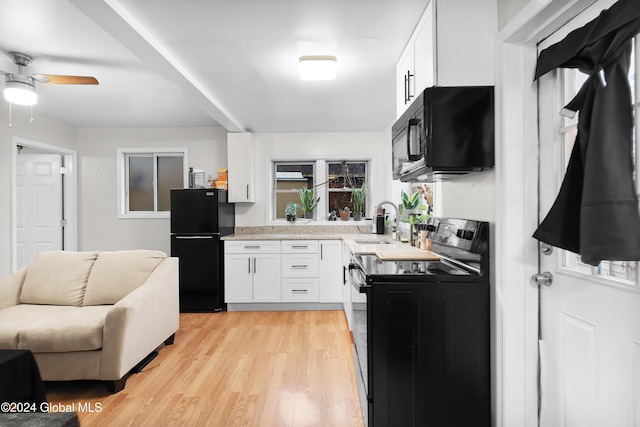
193	237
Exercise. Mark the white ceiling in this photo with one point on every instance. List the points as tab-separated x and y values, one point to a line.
210	63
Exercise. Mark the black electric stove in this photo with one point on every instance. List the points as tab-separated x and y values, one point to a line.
422	336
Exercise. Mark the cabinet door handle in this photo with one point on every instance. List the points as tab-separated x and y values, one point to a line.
321	247
255	269
247	191
249	259
299	291
300	266
405	89
409	95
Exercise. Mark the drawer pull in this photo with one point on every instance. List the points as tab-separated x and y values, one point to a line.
252	247
299	247
300	266
299	291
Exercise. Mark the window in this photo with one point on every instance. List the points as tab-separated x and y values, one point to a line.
332	181
342	177
625	272
290	178
146	176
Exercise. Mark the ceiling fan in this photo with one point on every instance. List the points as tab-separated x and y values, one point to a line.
21	89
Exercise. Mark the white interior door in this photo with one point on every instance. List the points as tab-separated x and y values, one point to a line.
38	205
589	316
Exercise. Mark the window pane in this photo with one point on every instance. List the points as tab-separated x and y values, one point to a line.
170	175
343	176
290	178
140	183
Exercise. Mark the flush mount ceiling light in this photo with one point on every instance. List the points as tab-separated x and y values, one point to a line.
321	67
19	89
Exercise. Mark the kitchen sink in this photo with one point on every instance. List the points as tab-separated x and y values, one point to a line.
374	242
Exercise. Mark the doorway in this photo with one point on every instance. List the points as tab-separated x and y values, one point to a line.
589	316
44	200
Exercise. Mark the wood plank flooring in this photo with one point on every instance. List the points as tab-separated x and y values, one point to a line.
288	368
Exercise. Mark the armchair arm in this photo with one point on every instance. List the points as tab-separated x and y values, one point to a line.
141	321
10	288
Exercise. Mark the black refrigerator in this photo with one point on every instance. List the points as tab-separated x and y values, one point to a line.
199	218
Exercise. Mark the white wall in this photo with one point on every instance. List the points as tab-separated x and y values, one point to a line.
100	228
274	146
43	130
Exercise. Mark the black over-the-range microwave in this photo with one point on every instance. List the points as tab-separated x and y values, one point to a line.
445	132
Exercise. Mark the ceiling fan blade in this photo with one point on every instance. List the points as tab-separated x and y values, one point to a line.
65	80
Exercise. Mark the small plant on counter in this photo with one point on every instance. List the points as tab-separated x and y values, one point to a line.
344	213
358	196
291	211
308	201
410	202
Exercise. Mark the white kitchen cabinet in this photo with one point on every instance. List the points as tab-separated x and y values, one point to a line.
300	289
252	271
346	288
287	271
414	69
452	45
241	174
300	271
330	267
238	278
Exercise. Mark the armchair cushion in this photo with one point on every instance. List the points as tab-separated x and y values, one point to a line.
57	278
116	274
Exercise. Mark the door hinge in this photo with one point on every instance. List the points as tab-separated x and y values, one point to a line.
63	170
63	223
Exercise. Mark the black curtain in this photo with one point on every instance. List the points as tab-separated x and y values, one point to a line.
596	212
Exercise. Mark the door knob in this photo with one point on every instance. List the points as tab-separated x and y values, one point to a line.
545	278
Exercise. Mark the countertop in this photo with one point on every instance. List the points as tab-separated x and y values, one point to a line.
352	240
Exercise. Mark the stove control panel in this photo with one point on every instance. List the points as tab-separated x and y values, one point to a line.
459	233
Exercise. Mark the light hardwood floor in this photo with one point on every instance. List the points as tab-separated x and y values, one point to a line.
288	368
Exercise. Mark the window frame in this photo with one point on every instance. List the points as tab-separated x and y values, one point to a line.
320	178
123	155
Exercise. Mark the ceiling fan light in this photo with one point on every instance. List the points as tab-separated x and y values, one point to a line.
322	67
20	90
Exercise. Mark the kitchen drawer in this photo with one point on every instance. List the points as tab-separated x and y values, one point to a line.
300	265
252	246
299	246
300	290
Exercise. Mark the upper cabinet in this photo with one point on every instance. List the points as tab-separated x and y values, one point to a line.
241	172
452	45
414	70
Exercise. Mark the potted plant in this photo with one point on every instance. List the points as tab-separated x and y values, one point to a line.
344	214
409	203
291	210
308	201
358	196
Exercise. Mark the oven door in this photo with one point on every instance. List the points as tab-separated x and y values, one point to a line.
360	321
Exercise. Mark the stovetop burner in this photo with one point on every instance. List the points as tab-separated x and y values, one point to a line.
461	244
373	266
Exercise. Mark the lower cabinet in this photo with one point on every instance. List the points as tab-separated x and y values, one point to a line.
287	271
252	271
330	271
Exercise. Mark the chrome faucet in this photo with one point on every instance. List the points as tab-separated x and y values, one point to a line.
386	202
